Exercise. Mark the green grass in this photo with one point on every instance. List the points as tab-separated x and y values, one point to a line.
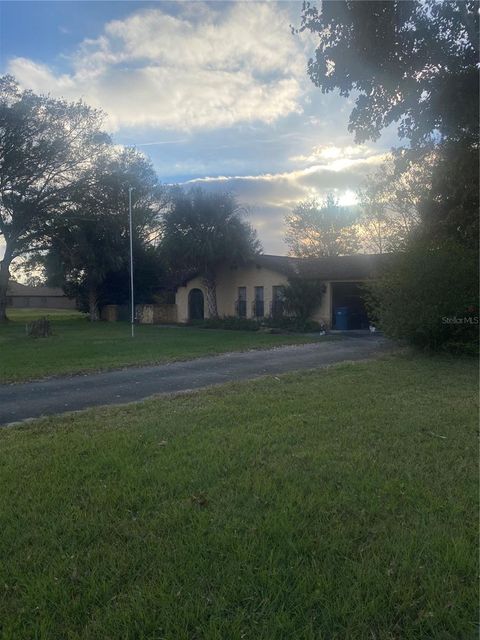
80	346
27	315
339	504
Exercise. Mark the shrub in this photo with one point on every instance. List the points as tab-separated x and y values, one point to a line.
292	324
428	298
303	296
40	328
227	322
296	325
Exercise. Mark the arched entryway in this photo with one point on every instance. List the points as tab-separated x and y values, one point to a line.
195	305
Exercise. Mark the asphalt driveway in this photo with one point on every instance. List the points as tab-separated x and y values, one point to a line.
57	395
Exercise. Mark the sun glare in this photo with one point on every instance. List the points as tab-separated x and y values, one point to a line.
348	199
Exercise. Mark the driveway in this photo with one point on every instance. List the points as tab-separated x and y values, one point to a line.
57	395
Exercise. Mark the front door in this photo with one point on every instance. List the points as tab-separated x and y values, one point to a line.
195	305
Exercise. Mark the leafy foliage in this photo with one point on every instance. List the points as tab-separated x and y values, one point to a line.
149	269
390	201
233	323
278	324
40	328
89	253
46	145
449	212
204	230
407	61
293	324
429	298
321	229
414	63
302	296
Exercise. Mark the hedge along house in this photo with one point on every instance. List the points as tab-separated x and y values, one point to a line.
255	290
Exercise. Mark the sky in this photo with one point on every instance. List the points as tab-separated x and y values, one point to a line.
215	93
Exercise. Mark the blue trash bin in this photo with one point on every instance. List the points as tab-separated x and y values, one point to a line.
341	318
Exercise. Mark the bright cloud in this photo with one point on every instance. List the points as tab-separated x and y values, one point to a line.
331	152
205	67
271	196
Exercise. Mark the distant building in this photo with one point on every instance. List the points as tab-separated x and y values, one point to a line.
21	296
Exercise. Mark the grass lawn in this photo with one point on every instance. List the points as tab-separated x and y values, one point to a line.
78	345
337	504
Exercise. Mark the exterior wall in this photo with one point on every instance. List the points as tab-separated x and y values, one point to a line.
109	313
181	299
228	281
324	312
156	313
115	313
40	302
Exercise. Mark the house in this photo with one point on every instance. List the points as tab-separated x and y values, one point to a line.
21	296
255	290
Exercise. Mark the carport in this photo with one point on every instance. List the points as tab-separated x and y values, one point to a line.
348	306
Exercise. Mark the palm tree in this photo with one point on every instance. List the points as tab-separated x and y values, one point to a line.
203	230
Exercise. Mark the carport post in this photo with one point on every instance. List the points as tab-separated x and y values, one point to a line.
130	189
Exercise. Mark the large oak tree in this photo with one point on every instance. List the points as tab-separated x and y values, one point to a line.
45	146
90	242
407	61
413	63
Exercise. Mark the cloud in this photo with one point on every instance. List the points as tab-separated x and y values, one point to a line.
321	178
207	66
269	197
331	152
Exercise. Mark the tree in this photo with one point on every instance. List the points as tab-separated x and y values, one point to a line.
408	62
203	230
414	63
449	211
90	243
149	271
45	145
325	229
390	202
302	296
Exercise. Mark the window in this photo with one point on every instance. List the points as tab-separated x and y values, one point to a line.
278	301
241	303
258	305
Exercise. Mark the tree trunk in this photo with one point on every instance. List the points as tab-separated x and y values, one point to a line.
211	294
93	304
4	279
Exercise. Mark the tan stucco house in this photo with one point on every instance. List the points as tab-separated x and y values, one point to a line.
254	290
